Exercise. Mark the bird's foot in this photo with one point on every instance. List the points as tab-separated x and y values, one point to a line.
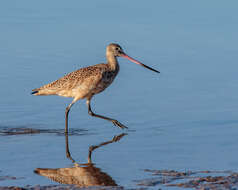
118	124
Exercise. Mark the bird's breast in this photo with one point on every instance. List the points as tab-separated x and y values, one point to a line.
108	76
107	79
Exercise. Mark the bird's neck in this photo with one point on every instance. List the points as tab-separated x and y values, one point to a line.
112	62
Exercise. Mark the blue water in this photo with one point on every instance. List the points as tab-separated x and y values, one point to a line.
185	118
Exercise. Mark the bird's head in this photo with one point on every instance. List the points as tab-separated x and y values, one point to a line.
116	51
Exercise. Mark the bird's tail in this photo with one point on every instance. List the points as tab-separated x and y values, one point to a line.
35	92
43	92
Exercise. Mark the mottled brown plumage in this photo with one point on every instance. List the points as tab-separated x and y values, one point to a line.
82	83
88	81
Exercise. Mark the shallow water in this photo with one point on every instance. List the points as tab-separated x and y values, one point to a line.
184	118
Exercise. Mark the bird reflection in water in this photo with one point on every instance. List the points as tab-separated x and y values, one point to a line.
81	175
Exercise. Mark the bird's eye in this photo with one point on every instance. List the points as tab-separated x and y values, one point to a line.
117	48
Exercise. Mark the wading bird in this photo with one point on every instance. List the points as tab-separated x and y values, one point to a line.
88	81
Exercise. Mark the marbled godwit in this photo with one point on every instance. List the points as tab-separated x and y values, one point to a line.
88	81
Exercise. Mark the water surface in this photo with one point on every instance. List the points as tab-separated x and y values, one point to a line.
184	118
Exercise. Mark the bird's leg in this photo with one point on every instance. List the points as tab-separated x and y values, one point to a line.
68	155
115	122
66	116
92	148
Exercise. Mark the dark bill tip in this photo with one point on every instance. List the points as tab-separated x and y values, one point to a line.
139	63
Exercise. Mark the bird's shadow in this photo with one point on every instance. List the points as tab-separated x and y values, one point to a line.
81	174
